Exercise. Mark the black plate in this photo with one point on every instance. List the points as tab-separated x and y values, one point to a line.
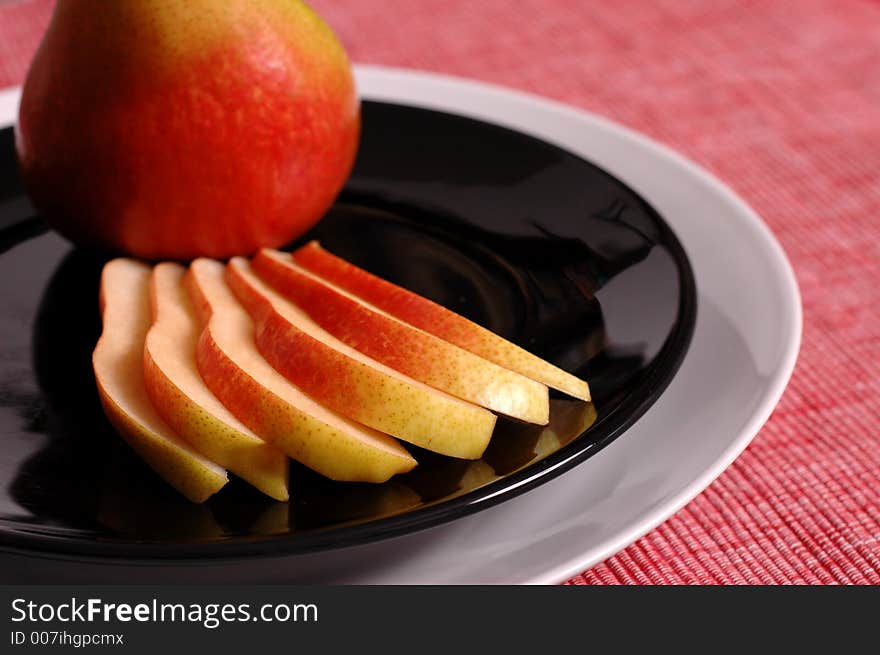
521	236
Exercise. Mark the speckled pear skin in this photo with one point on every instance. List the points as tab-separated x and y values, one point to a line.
171	129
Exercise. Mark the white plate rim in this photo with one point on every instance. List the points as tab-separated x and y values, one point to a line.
384	83
443	92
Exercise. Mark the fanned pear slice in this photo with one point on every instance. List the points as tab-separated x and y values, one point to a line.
403	347
118	361
436	319
353	384
265	401
185	402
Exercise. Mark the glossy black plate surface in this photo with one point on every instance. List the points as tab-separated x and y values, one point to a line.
518	235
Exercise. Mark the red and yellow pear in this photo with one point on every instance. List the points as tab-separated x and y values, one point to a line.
184	128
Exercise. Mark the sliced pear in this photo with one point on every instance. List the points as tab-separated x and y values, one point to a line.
436	319
185	402
403	347
118	364
273	408
353	384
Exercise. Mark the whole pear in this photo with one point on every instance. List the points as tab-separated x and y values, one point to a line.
185	128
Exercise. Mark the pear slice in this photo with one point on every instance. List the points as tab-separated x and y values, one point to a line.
403	347
436	319
185	402
353	384
118	363
266	402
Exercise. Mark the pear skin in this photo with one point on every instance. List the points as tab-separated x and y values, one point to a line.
171	129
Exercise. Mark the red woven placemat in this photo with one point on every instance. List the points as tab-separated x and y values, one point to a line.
782	101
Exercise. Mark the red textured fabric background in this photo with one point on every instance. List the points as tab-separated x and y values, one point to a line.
781	100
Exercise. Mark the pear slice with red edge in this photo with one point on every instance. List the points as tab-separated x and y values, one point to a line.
118	361
353	384
436	319
272	407
185	402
